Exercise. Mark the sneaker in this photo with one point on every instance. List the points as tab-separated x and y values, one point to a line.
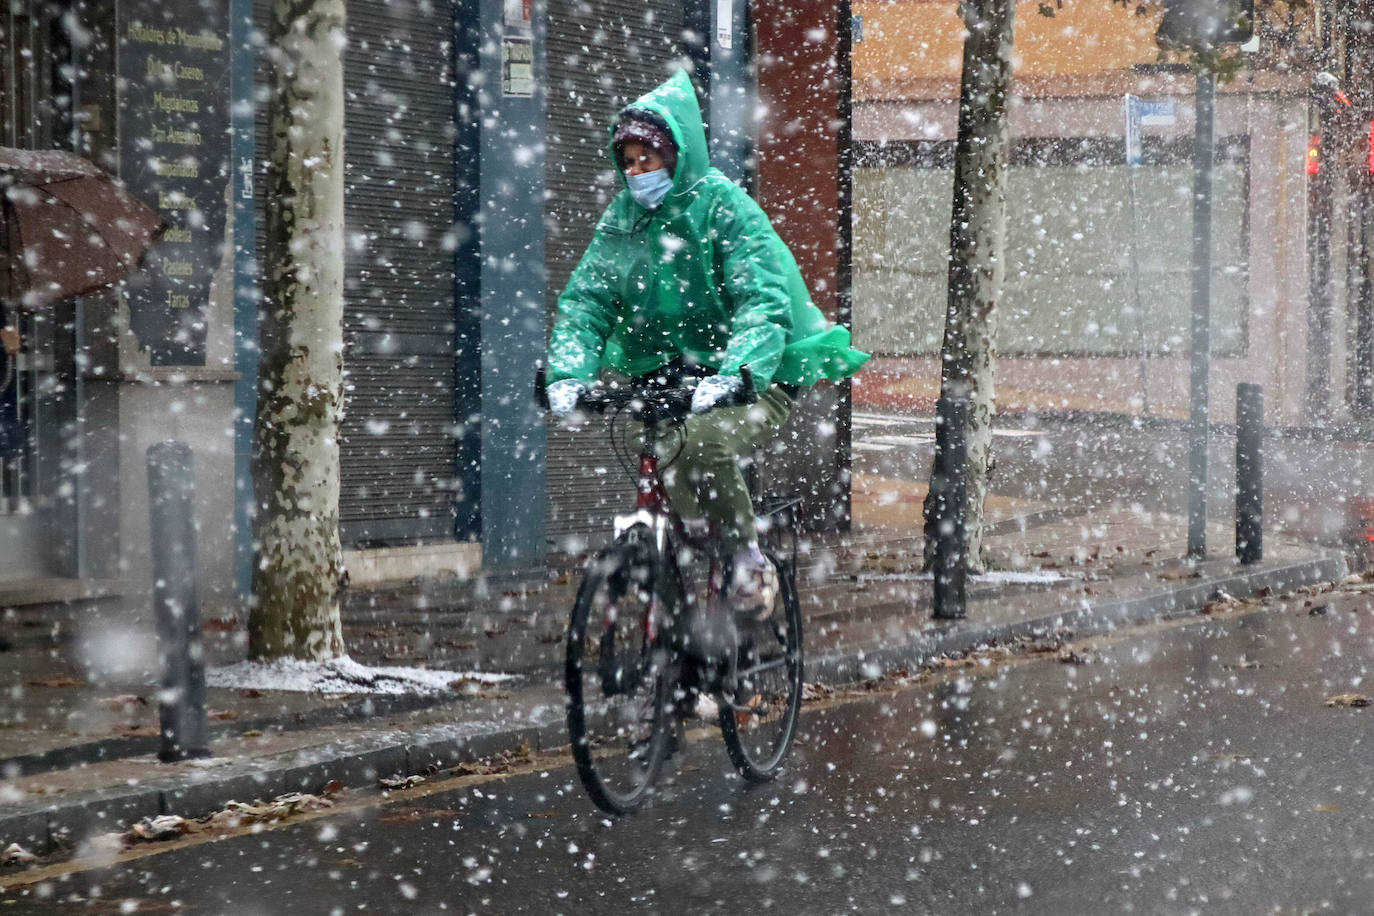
706	708
753	584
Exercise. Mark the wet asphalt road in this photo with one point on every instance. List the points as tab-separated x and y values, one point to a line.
1190	767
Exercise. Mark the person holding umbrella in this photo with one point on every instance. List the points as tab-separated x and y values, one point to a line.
67	228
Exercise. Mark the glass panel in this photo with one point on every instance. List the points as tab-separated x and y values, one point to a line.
1070	284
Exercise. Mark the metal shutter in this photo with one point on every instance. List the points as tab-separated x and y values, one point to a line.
398	451
602	54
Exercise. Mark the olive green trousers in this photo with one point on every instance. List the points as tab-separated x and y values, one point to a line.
703	476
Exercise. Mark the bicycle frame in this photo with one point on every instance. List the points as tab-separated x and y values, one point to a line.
664	645
654	511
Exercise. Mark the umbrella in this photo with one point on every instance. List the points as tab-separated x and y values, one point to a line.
66	227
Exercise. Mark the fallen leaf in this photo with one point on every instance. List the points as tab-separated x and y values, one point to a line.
1319	610
1355	700
396	783
404	817
477	690
1068	656
1175	574
235	814
122	701
333	787
14	854
474	768
1326	809
58	682
162	827
253	733
222	715
250	693
745	716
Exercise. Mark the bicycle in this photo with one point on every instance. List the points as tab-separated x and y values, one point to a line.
636	656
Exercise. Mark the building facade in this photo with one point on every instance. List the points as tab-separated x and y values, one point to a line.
475	171
1096	307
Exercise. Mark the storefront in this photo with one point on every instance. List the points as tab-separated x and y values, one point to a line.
475	135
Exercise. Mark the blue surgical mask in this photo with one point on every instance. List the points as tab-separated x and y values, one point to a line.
649	188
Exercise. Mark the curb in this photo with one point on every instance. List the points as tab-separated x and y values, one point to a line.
40	826
106	749
1089	618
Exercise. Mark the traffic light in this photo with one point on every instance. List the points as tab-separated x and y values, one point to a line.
1203	24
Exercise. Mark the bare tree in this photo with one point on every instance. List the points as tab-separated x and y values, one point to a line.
977	227
298	566
976	244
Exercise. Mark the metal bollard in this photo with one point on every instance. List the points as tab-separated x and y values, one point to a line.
181	701
951	547
1249	473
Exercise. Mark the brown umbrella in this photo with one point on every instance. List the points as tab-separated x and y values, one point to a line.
66	227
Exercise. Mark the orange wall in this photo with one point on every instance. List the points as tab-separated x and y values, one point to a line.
923	40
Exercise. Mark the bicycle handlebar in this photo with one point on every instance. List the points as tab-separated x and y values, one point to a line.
647	403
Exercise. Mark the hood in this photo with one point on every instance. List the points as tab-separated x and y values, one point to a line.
675	101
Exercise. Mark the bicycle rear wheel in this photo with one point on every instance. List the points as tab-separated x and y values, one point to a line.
618	679
759	716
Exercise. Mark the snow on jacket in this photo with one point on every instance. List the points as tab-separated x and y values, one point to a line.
704	276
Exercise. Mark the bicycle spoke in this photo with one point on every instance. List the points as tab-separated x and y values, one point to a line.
618	682
759	717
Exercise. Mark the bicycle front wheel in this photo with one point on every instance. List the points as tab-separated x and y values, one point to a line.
618	679
759	716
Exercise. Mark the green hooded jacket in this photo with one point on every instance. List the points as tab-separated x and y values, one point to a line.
704	276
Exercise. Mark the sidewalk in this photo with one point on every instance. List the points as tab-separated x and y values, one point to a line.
77	749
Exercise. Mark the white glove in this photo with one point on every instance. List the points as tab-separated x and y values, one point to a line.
714	389
563	395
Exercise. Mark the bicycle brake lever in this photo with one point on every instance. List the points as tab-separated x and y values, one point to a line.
541	388
748	394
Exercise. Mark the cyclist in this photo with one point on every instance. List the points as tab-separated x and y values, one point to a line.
685	277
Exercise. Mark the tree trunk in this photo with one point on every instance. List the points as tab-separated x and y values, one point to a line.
300	395
976	257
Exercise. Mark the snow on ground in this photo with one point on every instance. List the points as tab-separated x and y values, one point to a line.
342	675
1005	577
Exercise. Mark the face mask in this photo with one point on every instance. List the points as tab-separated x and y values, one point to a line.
649	188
